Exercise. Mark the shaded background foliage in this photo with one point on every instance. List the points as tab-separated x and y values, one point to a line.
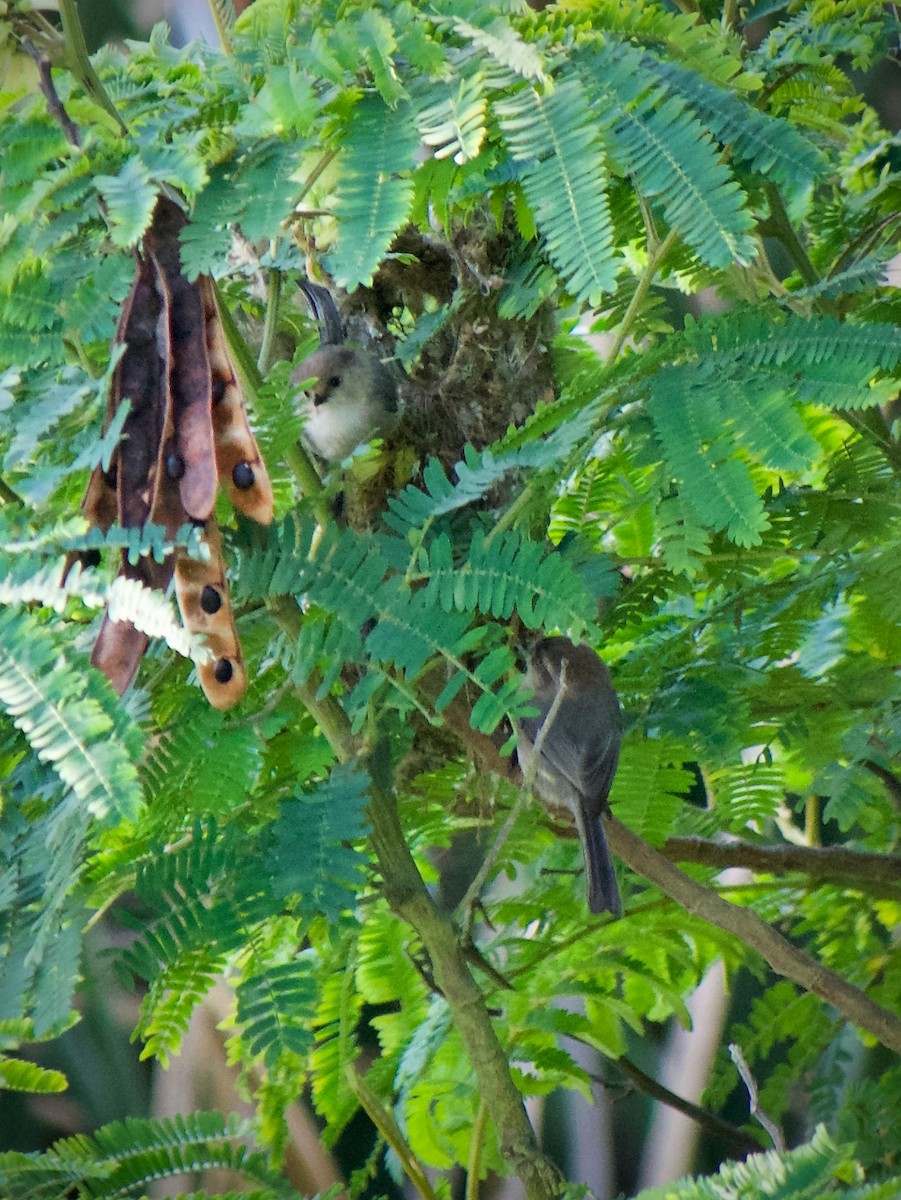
721	505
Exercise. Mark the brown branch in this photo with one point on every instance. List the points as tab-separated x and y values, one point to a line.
739	1142
834	864
785	959
885	776
408	897
54	104
406	894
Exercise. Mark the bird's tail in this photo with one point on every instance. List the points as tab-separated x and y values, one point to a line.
603	892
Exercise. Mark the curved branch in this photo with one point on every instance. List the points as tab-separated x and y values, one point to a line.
832	864
785	959
739	1142
890	780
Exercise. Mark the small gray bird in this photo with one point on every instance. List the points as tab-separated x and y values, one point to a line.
353	399
579	751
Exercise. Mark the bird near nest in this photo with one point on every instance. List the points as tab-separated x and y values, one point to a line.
350	396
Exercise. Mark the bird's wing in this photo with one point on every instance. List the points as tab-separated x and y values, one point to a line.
583	750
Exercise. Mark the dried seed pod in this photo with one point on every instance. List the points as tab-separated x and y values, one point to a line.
189	365
118	651
140	375
242	472
203	598
176	372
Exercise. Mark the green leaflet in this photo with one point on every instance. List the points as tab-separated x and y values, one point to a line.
130	198
564	178
67	723
770	145
454	125
273	1008
508	573
306	847
660	140
808	1171
16	1075
690	430
477	473
374	197
124	1157
650	787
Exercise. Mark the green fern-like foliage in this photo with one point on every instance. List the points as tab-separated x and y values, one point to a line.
707	495
565	187
122	1158
812	1170
78	735
381	142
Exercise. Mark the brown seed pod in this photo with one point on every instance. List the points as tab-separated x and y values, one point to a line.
203	598
124	493
188	365
242	472
185	430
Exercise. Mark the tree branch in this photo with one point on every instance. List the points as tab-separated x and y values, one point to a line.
834	864
54	104
408	897
885	776
739	1142
785	959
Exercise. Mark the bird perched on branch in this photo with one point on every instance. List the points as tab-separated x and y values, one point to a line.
353	397
577	738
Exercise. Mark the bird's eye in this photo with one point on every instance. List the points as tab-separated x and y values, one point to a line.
335	381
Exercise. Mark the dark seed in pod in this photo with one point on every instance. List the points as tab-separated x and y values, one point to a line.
175	465
218	390
223	671
210	600
242	476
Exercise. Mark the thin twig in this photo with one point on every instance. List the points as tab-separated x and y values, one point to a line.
325	711
891	781
270	325
475	1153
54	104
782	228
656	255
224	17
736	1139
756	1111
466	907
385	1122
730	15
